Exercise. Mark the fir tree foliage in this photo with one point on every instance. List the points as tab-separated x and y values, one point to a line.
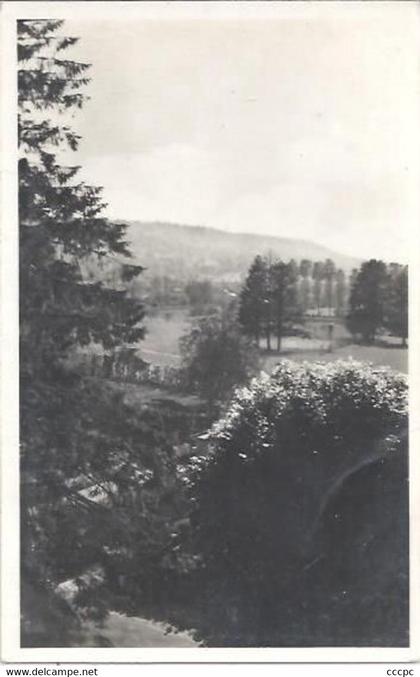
253	295
60	218
75	434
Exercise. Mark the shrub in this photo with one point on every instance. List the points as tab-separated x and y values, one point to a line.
216	357
279	459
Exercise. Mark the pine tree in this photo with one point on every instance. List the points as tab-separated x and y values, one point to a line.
305	269
251	303
317	274
329	275
284	295
268	302
341	292
60	218
72	432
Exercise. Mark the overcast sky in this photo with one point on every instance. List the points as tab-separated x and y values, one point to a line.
299	127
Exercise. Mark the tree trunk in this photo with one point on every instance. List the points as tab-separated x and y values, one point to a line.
279	318
268	340
279	332
268	328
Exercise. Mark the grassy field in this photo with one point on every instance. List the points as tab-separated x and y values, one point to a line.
396	358
161	346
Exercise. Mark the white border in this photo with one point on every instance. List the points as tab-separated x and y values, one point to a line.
11	650
9	411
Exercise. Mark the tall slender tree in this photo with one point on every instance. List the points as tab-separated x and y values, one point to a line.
285	305
341	292
268	302
329	276
60	218
68	436
305	269
317	275
251	308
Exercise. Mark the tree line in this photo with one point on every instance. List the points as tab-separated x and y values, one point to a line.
319	284
277	294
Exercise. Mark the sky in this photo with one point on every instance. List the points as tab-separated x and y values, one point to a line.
302	126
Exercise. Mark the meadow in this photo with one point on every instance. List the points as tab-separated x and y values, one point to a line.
163	331
165	328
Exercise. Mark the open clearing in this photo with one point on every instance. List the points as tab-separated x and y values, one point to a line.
161	343
396	358
161	346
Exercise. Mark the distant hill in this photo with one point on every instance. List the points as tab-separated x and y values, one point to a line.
195	251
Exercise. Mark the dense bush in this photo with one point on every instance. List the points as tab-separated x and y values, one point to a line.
271	497
216	357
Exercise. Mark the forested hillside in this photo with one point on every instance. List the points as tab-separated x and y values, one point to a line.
183	251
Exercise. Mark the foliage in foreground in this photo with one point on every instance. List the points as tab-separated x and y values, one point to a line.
103	525
73	435
300	511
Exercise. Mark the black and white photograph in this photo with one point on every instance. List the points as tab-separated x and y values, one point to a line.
215	218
